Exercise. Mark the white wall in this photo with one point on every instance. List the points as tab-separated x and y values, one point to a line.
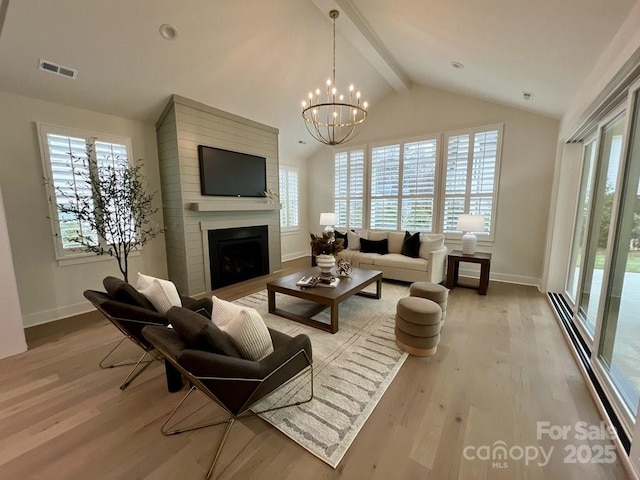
12	340
528	154
48	291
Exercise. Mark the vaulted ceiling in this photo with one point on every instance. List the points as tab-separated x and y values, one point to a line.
258	58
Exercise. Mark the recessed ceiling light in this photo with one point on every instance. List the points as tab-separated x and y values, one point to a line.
302	142
168	32
457	65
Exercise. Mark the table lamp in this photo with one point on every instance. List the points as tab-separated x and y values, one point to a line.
469	224
328	220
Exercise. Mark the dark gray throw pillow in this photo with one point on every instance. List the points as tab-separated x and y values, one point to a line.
200	333
411	245
343	236
374	246
124	292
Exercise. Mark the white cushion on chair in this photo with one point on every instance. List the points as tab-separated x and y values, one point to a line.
162	294
248	332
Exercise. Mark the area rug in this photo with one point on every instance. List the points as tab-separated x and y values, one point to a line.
352	370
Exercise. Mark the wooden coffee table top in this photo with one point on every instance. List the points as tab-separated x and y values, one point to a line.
324	296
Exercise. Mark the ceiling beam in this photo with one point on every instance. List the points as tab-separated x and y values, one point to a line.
354	28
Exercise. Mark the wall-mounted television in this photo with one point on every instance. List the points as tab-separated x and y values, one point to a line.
231	174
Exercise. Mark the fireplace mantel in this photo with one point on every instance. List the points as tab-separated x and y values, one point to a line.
232	206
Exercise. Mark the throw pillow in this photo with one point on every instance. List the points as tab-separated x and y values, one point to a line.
353	238
430	243
374	246
344	237
124	292
411	245
163	294
200	333
248	332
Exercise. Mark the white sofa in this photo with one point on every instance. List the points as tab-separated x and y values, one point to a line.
428	267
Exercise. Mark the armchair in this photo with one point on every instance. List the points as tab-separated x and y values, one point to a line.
233	383
129	311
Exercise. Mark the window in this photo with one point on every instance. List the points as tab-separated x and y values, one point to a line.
472	160
415	185
288	199
349	188
403	179
64	154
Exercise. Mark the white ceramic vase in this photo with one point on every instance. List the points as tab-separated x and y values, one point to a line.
326	264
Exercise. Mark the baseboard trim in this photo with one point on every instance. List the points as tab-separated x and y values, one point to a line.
503	277
47	316
295	255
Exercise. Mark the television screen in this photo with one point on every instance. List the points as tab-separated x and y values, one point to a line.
226	173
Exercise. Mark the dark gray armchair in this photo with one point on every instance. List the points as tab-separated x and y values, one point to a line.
130	311
207	359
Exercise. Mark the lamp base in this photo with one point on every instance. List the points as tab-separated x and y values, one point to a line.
469	243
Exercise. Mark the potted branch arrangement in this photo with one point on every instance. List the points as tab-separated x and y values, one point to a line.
325	247
114	205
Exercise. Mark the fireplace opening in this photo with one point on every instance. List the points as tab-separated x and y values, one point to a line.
238	254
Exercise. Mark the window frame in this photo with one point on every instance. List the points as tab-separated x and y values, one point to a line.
67	256
288	170
401	196
349	197
483	238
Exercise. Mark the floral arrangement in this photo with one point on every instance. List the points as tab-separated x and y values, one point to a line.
326	244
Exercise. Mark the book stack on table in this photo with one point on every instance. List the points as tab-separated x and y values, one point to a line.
317	281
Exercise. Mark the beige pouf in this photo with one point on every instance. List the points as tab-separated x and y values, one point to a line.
418	324
431	291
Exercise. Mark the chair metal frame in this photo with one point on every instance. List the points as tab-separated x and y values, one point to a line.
148	350
196	384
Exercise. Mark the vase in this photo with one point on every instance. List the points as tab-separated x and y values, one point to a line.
326	264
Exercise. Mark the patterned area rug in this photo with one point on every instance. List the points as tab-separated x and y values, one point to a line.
352	370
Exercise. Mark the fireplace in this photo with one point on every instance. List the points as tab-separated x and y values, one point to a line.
237	254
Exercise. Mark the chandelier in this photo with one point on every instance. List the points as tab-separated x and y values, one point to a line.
335	120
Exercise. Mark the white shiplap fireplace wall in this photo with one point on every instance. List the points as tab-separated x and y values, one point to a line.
188	215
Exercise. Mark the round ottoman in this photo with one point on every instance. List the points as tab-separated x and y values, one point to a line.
418	323
431	291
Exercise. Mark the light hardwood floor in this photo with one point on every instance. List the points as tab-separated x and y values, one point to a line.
502	365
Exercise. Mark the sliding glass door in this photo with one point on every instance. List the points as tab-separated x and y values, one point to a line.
604	188
603	277
582	218
619	345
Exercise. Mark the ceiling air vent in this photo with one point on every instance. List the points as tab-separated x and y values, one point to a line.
48	66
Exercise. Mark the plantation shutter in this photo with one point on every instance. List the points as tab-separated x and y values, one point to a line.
385	177
471	176
68	163
349	188
288	198
418	185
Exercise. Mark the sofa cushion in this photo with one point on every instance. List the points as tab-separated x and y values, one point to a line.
395	242
163	294
344	237
397	260
374	246
430	242
365	258
245	326
121	291
200	333
377	235
411	245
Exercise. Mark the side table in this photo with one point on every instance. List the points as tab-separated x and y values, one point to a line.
456	256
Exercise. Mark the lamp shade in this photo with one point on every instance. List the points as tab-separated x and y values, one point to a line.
471	223
327	218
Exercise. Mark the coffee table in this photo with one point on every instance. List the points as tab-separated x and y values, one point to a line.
323	296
